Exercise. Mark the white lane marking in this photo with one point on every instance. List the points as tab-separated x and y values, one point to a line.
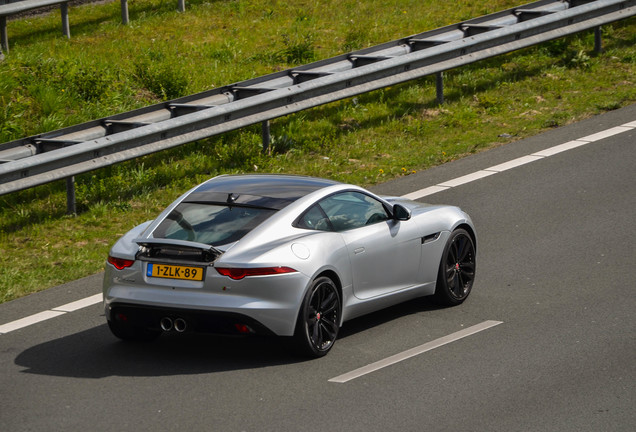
606	133
424	192
414	351
80	304
71	307
48	314
520	161
514	163
30	320
467	178
560	148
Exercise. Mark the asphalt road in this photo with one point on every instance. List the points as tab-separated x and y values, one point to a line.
555	267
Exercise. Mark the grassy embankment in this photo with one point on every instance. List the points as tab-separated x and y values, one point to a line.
48	82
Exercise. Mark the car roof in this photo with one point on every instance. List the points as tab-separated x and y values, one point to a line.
257	190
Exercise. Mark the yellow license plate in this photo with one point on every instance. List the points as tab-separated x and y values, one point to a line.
175	272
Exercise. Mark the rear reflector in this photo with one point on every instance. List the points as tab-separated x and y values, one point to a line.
240	273
120	263
242	328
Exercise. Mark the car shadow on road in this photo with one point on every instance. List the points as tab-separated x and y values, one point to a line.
96	353
381	317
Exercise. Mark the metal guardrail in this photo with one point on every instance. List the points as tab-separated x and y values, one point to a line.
67	152
13	7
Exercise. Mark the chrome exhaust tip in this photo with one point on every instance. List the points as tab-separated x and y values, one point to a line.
180	325
166	324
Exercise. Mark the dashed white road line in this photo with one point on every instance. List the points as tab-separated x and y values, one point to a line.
414	351
97	298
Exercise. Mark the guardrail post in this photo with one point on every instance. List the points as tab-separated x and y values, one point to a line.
71	208
124	12
181	6
439	87
267	139
598	42
65	26
3	34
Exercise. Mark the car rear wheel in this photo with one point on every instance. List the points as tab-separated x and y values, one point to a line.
128	332
456	270
319	318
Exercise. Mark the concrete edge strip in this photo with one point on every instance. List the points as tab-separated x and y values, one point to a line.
97	298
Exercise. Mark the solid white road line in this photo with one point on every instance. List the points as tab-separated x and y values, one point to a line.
71	307
414	351
80	304
514	163
560	148
467	178
43	316
425	192
30	320
521	161
607	133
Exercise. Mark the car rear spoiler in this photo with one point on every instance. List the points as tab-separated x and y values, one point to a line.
163	243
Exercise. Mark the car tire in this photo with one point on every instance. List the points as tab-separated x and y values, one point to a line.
128	332
318	319
456	269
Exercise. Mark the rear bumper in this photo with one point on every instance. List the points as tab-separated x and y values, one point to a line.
197	321
269	304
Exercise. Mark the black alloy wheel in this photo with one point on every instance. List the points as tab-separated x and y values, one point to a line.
457	269
319	318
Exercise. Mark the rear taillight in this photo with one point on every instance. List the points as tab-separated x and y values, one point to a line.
120	263
240	273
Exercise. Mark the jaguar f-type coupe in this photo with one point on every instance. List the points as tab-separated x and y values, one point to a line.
283	255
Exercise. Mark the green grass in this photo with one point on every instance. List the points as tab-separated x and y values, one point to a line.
48	82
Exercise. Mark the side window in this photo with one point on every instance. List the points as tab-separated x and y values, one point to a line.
315	219
349	210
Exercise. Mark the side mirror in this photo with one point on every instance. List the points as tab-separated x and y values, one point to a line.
401	213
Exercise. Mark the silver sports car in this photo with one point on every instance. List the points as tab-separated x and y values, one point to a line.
283	255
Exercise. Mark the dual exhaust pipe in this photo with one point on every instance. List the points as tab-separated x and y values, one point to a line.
168	324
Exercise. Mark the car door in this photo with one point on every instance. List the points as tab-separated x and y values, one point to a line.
384	253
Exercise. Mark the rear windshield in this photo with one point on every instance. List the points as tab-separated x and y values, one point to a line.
211	224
